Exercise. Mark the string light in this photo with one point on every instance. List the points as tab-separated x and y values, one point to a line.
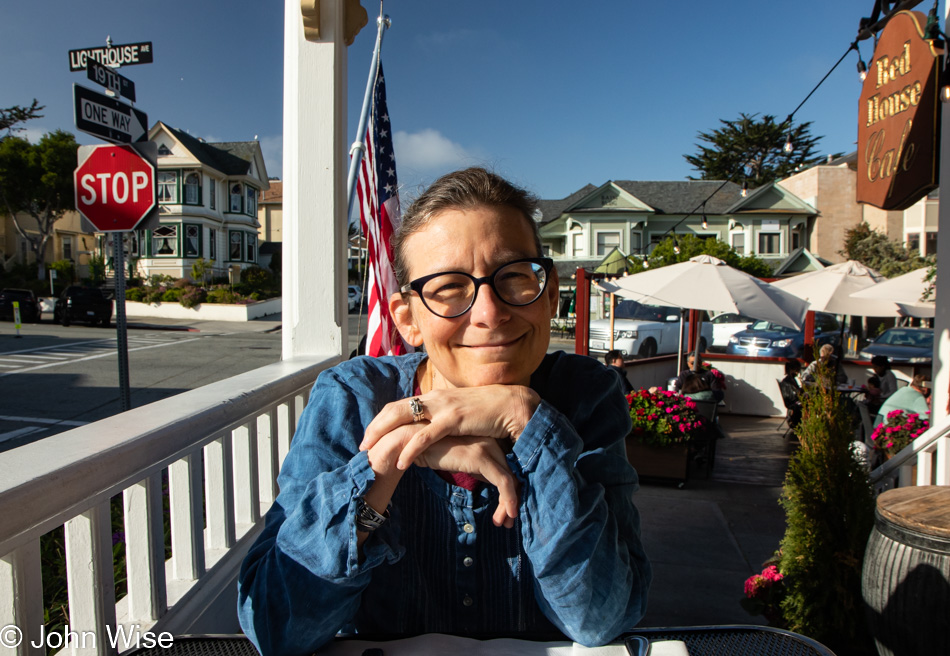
789	146
745	189
705	222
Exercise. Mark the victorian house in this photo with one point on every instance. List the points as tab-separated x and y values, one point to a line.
208	205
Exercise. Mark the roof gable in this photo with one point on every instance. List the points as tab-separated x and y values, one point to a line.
231	158
608	197
552	209
772	198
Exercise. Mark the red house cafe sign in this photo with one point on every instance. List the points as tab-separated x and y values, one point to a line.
898	116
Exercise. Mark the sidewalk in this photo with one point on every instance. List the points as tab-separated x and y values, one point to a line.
706	539
266	324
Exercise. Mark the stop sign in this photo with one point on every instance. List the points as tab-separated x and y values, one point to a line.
115	188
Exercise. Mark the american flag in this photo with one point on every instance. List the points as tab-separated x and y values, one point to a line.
378	194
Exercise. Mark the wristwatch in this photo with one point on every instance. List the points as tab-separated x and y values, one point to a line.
367	519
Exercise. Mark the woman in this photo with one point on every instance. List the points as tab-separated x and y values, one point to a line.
696	387
480	488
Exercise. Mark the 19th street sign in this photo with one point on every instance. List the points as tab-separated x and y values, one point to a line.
115	187
108	118
105	76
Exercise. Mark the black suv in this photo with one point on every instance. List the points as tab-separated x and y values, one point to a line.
29	306
82	304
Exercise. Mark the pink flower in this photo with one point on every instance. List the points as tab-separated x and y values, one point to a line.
771	573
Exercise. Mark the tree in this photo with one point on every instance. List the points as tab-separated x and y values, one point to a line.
12	116
37	180
872	249
753	151
690	246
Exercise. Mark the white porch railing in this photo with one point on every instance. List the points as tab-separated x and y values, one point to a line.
240	428
930	453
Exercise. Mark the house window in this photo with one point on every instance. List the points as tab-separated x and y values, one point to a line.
167	186
251	204
913	242
252	248
163	151
67	248
237	195
738	242
930	245
607	241
769	243
212	244
211	192
192	188
796	239
577	243
165	241
235	247
636	241
134	243
192	241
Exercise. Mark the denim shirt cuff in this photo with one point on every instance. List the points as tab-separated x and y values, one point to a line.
536	439
382	545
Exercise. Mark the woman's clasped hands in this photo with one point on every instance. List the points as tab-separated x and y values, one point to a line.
463	431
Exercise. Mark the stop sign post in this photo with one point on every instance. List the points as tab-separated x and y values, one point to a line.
115	191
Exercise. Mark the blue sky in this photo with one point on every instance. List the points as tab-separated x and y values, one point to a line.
552	95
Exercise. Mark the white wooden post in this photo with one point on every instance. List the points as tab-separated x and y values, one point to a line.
314	202
145	549
219	493
21	600
268	456
187	522
90	580
941	353
247	498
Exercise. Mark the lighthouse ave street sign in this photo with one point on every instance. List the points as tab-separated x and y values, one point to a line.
128	54
108	118
115	185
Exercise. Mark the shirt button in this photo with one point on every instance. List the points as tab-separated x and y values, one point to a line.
467	601
468	528
467	561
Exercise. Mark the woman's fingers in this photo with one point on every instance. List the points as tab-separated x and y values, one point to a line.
393	415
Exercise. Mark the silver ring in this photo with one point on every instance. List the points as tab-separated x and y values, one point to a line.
418	412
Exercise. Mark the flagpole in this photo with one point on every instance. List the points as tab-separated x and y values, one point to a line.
358	147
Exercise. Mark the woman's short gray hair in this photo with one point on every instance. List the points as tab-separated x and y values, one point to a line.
462	190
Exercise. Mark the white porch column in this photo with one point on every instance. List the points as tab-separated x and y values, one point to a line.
315	166
941	372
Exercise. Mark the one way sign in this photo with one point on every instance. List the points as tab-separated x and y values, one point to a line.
108	118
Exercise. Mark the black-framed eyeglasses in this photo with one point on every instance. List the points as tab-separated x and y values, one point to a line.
452	293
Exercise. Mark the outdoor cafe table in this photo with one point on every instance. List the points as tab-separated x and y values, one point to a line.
731	640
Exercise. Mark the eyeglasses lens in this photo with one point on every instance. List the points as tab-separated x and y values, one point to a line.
451	294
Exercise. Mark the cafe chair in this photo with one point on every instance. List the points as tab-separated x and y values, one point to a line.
704	448
792	404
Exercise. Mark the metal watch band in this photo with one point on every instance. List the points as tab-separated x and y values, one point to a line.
367	519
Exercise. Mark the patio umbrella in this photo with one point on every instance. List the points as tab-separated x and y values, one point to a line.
830	289
705	282
905	290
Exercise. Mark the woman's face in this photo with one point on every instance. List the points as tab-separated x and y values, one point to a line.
493	342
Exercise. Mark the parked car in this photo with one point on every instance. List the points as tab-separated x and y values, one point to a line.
29	306
643	331
902	346
353	296
770	340
86	304
725	326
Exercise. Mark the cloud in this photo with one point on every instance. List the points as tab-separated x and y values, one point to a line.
429	150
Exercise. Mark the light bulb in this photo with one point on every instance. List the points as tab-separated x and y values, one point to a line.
945	94
862	70
788	147
676	249
705	223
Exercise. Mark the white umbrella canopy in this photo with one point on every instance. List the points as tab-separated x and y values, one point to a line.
705	282
830	289
905	290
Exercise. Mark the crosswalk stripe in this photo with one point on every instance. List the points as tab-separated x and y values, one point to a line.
19	432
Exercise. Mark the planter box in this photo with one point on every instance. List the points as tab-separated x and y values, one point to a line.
665	462
204	312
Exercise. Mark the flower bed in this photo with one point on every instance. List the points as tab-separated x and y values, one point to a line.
662	418
899	429
205	311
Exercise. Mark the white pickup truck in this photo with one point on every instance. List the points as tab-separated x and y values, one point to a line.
644	331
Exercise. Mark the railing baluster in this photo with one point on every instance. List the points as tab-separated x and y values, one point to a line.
267	432
925	466
285	430
187	523
145	549
247	504
219	493
21	598
90	579
943	460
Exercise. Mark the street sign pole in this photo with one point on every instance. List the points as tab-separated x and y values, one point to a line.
122	342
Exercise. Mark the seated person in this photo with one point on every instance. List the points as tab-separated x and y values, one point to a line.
913	398
792	392
614	360
872	395
480	487
713	382
882	369
696	388
826	358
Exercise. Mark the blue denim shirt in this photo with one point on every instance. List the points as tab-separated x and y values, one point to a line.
573	561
